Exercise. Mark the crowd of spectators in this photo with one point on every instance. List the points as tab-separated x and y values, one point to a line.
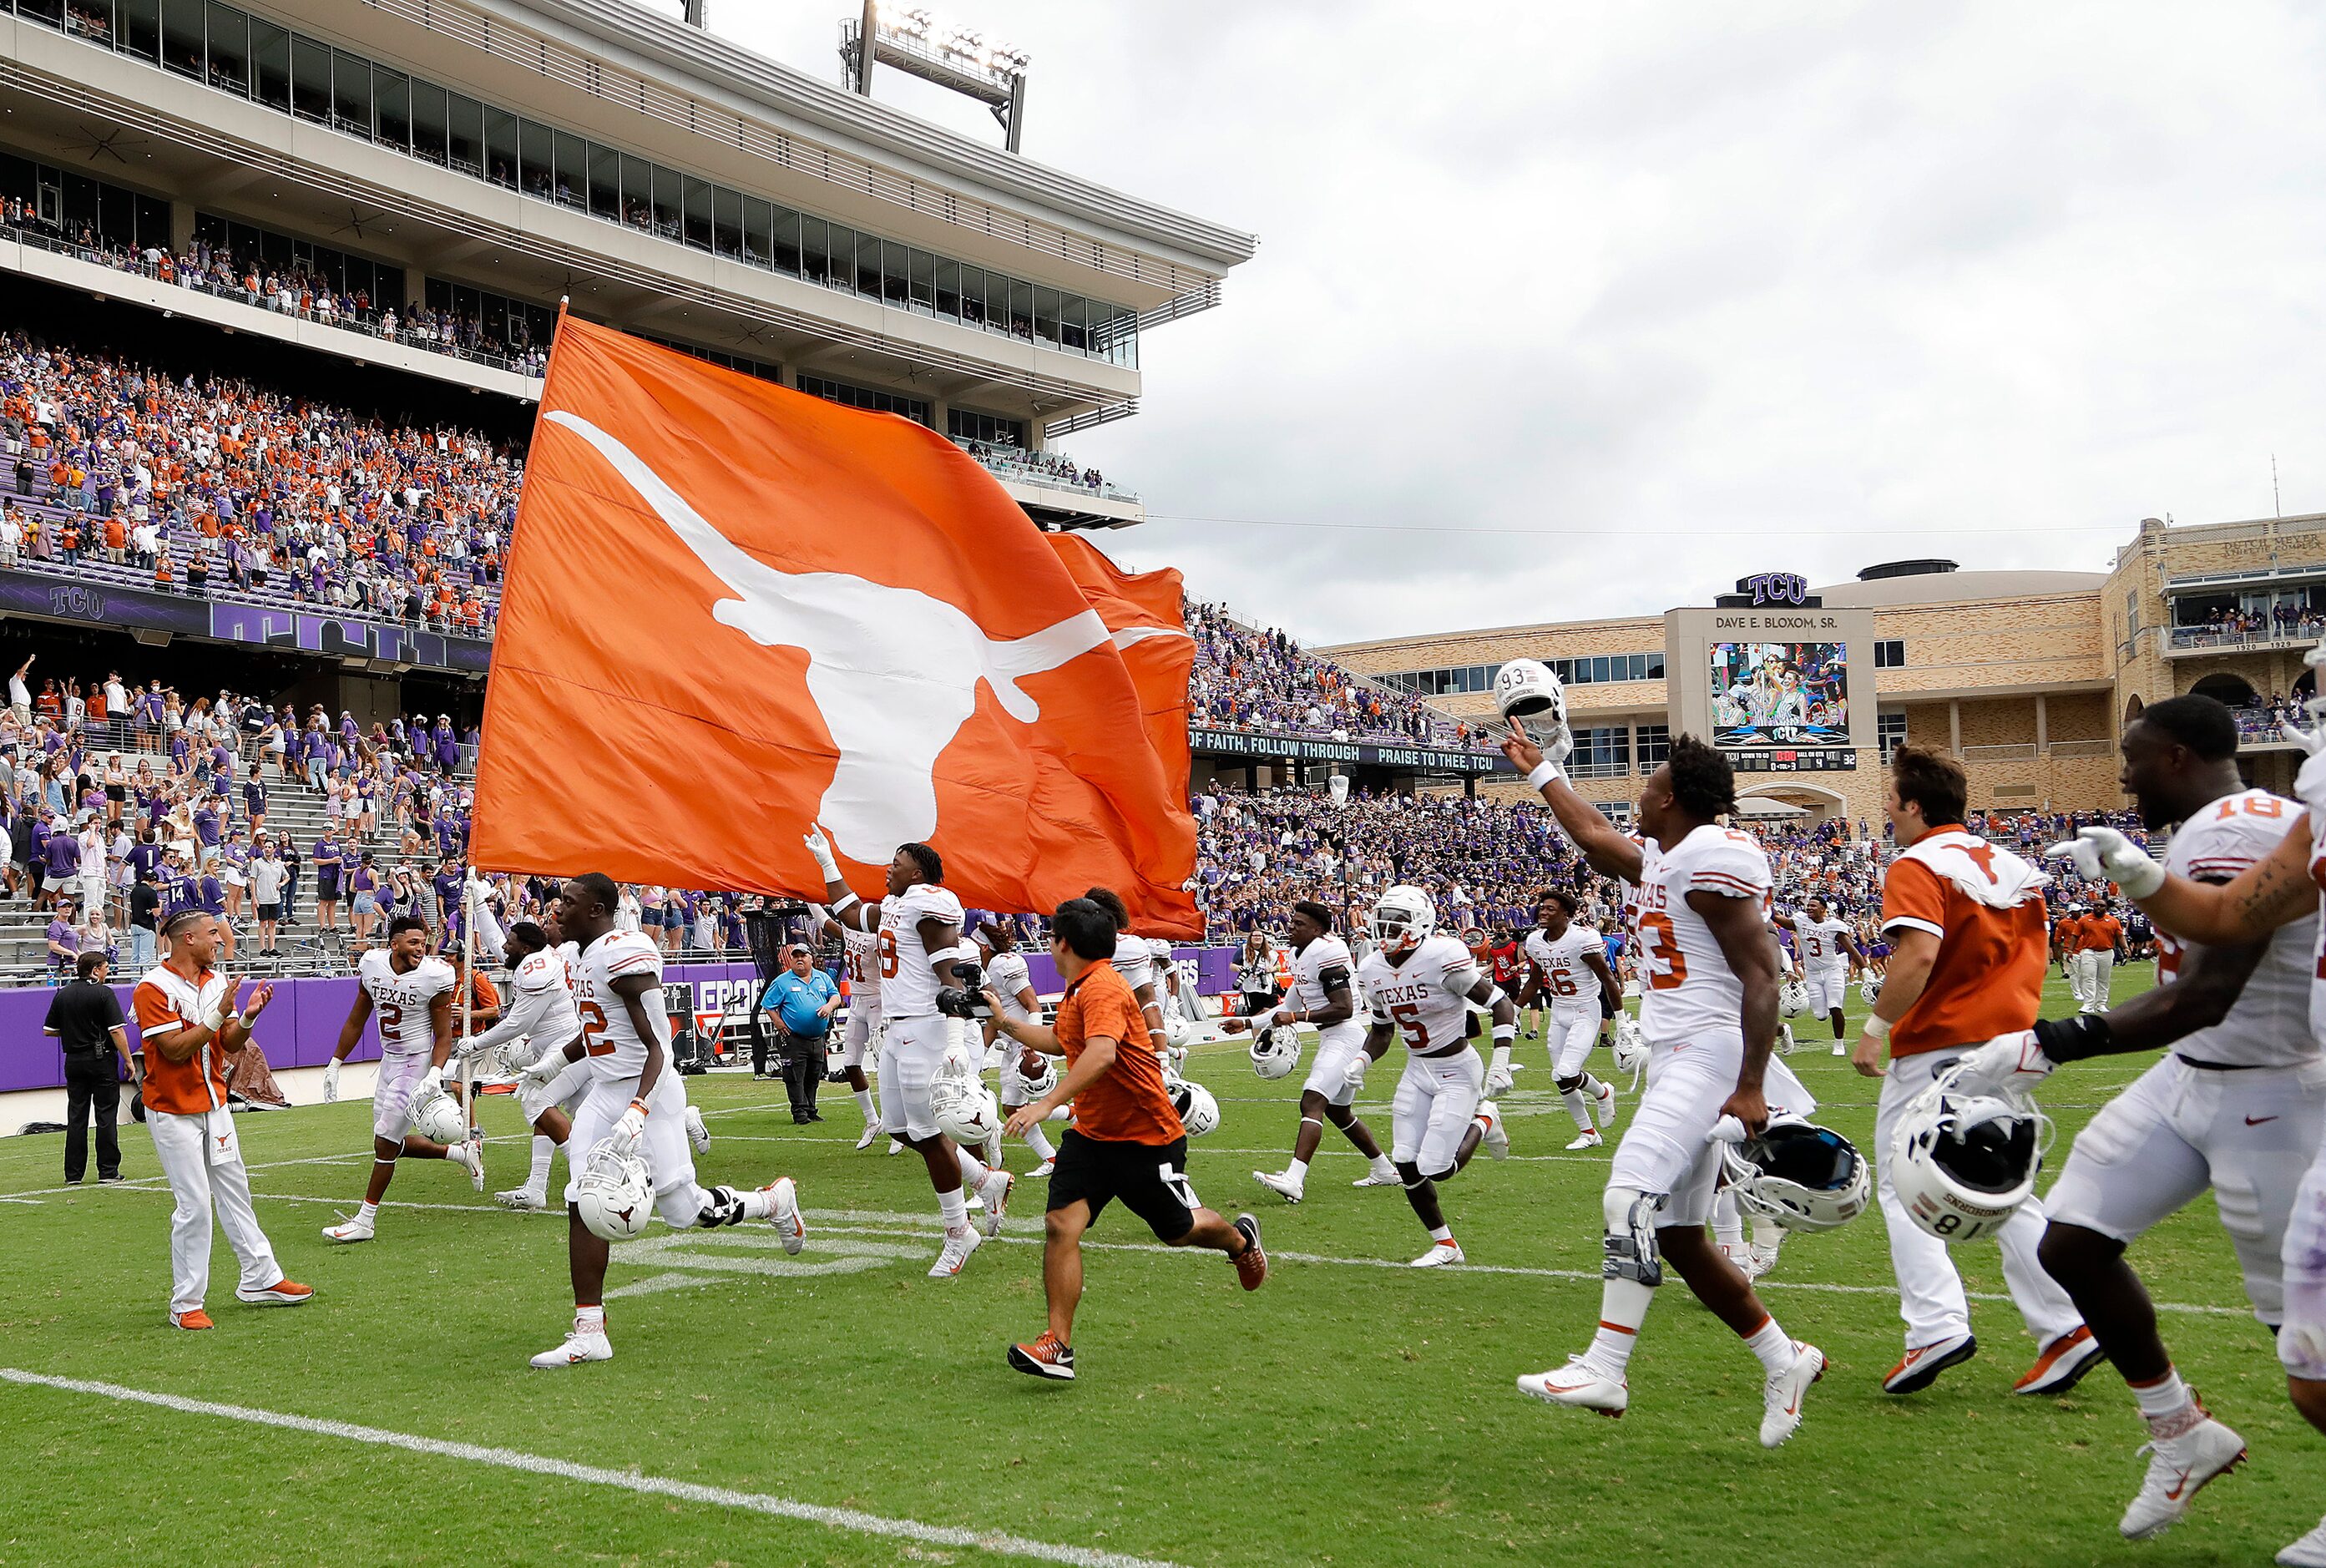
217	484
2232	623
1053	467
1250	679
293	291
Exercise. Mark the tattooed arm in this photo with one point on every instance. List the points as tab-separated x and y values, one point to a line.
2269	893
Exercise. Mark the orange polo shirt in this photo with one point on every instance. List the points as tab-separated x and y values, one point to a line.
1988	976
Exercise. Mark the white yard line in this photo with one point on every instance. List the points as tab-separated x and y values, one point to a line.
849	1519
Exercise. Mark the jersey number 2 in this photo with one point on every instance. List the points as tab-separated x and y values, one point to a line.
593	1028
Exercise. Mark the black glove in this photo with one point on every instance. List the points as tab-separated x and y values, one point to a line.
953	1002
2075	1037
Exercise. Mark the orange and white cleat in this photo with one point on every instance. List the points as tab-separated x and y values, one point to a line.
2062	1364
281	1293
195	1319
1047	1356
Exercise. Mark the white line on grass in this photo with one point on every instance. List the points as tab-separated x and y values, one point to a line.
852	1519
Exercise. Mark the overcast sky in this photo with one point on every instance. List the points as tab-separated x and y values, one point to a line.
1598	311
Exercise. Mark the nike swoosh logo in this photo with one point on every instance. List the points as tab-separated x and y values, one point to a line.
2257	1121
2179	1486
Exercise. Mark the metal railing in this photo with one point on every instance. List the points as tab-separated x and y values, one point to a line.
2186	638
1032	467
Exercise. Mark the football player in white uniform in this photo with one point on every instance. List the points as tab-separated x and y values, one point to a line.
413	995
1007	978
636	1104
2238	1105
1566	962
1709	1007
1322	994
1829	956
861	951
923	1007
540	1018
1419	984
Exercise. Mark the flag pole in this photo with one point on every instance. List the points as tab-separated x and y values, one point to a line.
469	901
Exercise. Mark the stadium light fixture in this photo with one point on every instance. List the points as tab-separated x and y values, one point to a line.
959	59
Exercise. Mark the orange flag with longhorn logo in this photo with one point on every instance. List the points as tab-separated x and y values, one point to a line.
732	609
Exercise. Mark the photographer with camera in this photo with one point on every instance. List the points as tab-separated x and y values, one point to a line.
801	1000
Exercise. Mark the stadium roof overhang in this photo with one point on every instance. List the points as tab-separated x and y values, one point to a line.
117	118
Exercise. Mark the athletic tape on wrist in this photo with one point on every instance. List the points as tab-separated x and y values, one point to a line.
1543	773
1879	1029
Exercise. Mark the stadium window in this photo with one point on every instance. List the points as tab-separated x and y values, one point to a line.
760	232
182	37
867	266
500	147
913	408
1654	743
727	222
432	126
270	64
698	213
536	162
465	134
572	184
1655	666
1602	751
948	289
140	28
669	201
1890	653
351	92
230	45
1889	733
994	429
392	103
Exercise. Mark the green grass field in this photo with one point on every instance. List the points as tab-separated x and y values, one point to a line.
1349	1412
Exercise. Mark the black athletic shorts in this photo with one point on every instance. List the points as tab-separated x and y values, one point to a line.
1151	1179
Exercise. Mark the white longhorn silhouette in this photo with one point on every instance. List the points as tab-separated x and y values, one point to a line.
893	671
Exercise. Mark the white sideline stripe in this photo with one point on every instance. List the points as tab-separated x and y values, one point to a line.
146	1183
852	1519
1281	1151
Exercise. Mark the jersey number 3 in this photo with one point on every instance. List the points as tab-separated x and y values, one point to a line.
1667	965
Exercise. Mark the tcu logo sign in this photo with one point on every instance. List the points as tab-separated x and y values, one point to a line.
1776	588
82	602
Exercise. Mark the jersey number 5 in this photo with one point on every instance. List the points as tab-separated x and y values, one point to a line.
1409	1019
1667	965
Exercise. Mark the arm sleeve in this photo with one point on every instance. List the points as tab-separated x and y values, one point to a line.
156	1013
1913	897
524	1016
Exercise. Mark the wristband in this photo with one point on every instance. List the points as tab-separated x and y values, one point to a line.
847	901
1879	1029
1544	772
1505	1032
2074	1039
640	1106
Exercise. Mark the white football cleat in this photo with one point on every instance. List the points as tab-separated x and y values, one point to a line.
1839	1049
1586	1140
469	1156
1741	1254
1440	1255
873	1134
524	1200
578	1347
1604	1109
357	1229
696	1132
994	1193
1761	1257
784	1214
1782	1395
895	1146
2310	1552
1382	1175
956	1252
1497	1141
2178	1467
1579	1384
1042	1172
1283	1186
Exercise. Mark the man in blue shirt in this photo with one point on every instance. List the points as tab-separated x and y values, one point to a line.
801	1000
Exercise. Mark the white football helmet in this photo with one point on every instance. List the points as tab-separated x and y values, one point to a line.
964	1108
1525	690
1794	998
1631	1044
1197	1110
1962	1164
1869	989
439	1119
1036	1084
613	1193
1801	1176
1276	1052
1403	919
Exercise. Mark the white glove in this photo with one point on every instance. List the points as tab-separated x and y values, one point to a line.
821	847
2103	854
2007	1064
331	1080
463	1049
1498	1083
1355	1077
544	1066
2311	741
429	1082
1727	1130
625	1135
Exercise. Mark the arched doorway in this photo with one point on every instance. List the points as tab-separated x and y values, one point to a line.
2306	686
2133	707
1815	800
2234	690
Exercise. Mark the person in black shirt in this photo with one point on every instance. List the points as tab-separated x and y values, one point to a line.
145	922
85	1018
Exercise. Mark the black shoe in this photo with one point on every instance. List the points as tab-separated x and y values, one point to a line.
815	1116
800	1121
1918	1369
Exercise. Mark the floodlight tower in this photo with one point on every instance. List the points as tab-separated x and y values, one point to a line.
957	58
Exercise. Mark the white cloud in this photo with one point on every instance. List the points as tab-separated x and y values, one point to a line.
1697	290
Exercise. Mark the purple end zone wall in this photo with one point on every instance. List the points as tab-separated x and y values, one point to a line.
301	1024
